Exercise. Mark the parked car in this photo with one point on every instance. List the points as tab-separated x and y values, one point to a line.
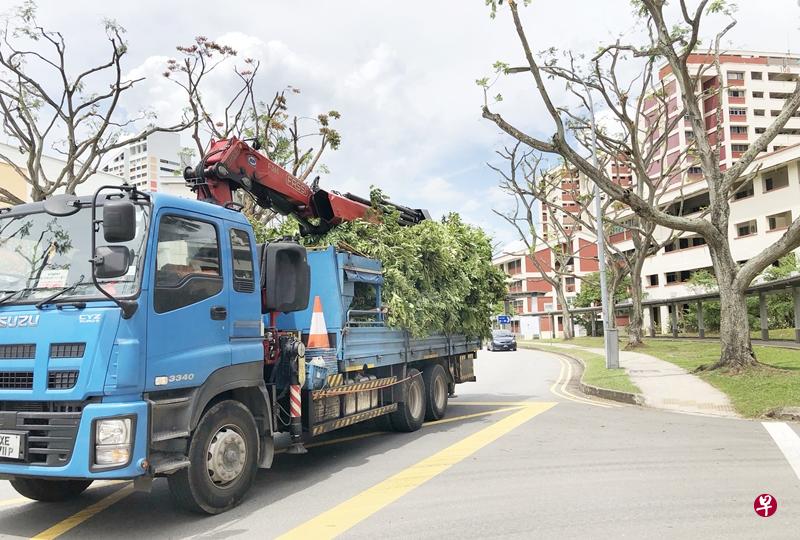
502	340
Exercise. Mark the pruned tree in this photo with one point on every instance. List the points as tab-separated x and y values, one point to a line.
50	108
672	42
272	129
527	182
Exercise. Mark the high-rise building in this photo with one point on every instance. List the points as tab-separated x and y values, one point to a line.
151	164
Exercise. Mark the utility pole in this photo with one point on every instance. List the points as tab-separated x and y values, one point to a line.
610	335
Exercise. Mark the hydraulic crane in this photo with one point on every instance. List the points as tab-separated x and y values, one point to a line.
232	164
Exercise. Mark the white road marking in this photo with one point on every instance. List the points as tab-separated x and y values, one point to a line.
788	441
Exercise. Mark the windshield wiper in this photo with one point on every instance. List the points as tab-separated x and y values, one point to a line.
65	290
12	294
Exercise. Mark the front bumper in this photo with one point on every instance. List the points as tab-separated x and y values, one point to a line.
79	465
504	346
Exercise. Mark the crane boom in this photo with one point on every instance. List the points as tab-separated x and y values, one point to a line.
232	164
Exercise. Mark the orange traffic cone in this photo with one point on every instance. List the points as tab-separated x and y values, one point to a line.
318	335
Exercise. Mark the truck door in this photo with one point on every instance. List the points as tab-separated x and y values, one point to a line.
187	327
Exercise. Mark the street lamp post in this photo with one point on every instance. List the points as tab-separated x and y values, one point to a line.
610	335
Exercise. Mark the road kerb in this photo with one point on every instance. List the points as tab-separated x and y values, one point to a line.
629	398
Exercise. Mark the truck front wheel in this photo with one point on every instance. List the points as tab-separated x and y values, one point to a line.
411	413
223	456
43	490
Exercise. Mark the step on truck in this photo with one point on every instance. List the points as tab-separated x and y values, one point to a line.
144	335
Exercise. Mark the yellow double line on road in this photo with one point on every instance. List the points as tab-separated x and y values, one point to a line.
87	513
564	376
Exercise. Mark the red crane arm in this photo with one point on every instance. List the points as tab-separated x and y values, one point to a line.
231	164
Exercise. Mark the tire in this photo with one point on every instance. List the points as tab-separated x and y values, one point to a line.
410	414
43	490
489	347
435	379
216	481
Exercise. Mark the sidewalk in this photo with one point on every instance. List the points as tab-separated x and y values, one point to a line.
667	386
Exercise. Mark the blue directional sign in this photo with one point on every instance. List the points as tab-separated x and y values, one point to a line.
503	319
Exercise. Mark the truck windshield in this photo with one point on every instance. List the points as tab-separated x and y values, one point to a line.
40	254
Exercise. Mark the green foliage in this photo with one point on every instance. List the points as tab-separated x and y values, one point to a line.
590	290
782	269
702	281
438	275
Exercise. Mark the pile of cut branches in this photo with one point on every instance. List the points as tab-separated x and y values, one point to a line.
438	274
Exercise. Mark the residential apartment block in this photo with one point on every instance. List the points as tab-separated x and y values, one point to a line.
738	105
151	164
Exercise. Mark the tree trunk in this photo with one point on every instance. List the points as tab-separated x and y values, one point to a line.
635	323
734	327
565	315
734	331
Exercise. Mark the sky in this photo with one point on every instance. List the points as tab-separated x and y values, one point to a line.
402	75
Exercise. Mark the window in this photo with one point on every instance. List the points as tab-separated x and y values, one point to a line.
695	170
779	221
738	111
777	179
744	191
514	267
689	135
774	113
672	277
187	263
243	274
652	280
735	75
760	130
739	147
746	228
739	129
758	112
758	94
755	75
736	93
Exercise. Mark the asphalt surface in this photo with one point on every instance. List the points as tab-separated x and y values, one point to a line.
522	454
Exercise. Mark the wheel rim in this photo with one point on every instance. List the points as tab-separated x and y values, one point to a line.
226	455
415	399
439	392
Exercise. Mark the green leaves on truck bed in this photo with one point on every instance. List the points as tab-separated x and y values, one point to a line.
438	274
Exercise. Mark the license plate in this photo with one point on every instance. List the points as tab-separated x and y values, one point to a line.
11	446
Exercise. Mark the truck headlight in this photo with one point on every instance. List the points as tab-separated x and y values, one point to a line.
112	437
113	431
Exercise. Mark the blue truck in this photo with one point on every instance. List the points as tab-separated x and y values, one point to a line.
144	335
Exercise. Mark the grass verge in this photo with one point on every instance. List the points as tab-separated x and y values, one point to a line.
595	373
753	393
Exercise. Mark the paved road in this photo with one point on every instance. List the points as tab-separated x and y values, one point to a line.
520	455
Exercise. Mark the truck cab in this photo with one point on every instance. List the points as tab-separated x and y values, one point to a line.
103	375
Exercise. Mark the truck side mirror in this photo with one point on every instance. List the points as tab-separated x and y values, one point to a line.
119	221
285	277
111	261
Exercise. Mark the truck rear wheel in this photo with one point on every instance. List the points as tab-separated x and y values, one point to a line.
40	489
411	413
436	390
223	457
